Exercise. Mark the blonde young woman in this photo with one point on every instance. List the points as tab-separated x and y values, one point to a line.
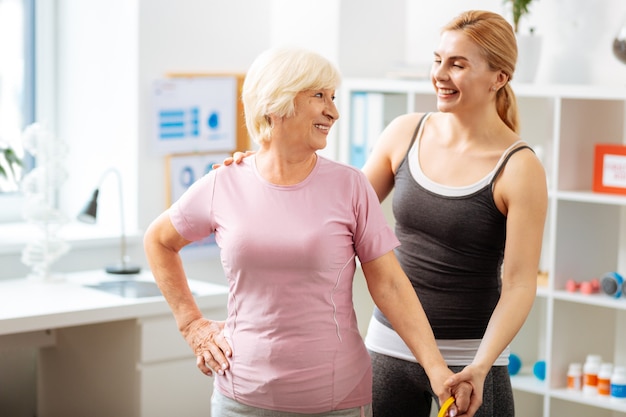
290	224
470	201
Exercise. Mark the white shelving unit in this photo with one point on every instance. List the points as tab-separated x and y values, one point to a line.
585	234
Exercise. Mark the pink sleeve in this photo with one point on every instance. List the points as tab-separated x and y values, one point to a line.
372	236
191	214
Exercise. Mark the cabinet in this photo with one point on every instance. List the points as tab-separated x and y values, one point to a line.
136	367
585	233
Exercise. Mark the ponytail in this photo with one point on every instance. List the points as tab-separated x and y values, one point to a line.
506	105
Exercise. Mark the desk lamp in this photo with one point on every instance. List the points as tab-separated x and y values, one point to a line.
89	214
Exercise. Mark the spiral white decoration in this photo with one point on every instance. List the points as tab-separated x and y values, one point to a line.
40	187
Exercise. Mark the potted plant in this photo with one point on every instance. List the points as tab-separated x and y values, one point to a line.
9	163
519	8
528	45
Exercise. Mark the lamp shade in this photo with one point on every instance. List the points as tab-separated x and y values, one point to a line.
89	215
90	212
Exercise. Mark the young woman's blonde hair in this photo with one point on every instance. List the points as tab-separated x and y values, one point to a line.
274	79
495	36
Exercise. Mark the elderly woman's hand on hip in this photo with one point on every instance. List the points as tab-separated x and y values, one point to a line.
206	339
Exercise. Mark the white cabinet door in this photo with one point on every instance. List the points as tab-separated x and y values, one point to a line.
175	388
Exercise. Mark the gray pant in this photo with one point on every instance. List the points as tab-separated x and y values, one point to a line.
402	389
222	406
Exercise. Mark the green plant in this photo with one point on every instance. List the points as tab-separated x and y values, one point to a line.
519	9
9	161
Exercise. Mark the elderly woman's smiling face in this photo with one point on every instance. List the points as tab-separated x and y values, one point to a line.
314	114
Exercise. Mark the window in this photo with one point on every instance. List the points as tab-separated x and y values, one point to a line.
17	91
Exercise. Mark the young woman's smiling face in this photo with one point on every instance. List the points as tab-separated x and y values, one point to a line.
460	73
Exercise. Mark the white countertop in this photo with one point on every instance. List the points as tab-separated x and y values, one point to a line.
29	305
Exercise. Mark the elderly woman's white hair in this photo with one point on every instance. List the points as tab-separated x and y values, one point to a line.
273	81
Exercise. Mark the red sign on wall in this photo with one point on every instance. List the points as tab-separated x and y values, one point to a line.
609	169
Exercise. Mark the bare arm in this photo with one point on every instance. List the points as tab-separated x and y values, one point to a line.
388	152
162	244
393	293
522	193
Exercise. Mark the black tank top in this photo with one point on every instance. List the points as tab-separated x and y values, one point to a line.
452	247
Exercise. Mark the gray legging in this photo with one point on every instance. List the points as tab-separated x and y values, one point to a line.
401	389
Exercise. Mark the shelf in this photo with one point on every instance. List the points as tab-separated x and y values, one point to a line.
585	233
15	236
601	300
528	383
383	85
591	197
543	292
579	397
561	91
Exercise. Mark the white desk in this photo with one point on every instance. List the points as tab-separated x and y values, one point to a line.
27	305
101	354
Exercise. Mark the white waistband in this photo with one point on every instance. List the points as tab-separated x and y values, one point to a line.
461	352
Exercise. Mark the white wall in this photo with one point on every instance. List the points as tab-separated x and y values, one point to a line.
578	43
110	51
97	102
188	36
577	36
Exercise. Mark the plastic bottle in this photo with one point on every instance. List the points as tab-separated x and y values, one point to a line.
604	379
618	384
590	374
575	377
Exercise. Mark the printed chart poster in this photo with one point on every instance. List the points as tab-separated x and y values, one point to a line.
184	170
195	114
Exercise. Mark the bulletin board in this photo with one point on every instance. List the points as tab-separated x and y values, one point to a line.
196	112
195	162
182	171
212	101
242	140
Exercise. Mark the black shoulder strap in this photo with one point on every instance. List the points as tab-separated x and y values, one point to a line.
417	129
506	159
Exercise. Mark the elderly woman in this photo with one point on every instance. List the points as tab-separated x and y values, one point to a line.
290	225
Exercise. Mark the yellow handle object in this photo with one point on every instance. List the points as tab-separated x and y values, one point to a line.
444	408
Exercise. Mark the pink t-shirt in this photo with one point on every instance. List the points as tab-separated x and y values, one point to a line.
288	253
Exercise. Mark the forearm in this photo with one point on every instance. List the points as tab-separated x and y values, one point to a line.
162	252
394	295
403	310
506	321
